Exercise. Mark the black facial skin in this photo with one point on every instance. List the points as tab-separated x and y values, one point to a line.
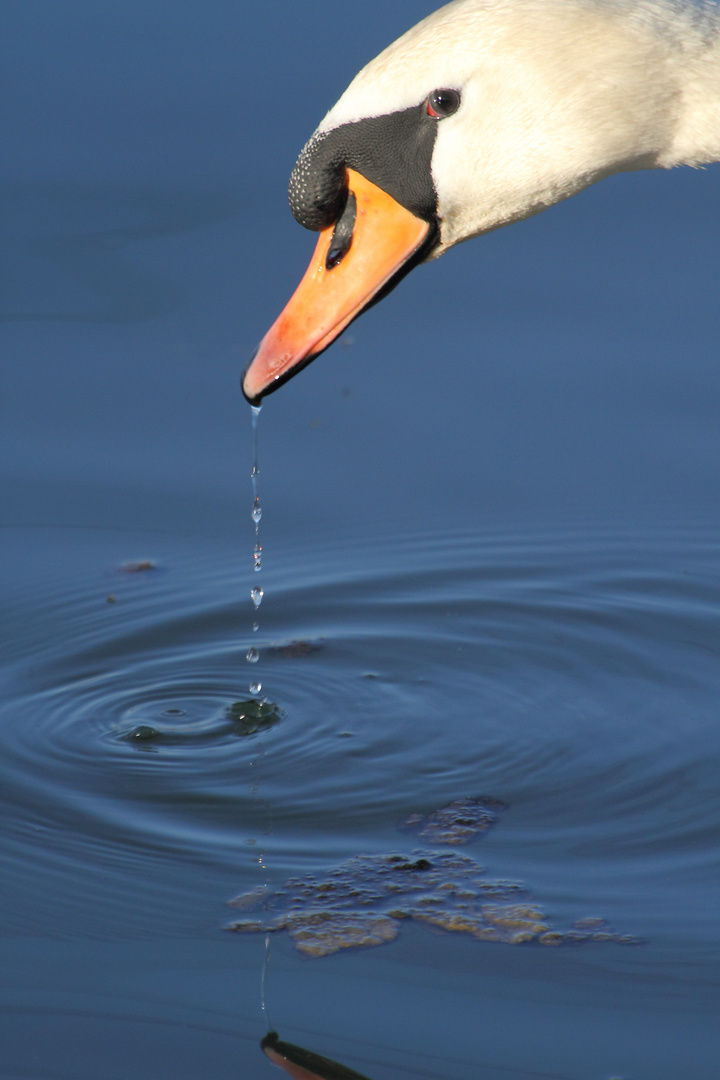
393	151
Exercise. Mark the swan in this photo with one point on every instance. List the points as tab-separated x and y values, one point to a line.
485	113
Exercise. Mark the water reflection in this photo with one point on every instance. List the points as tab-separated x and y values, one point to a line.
303	1064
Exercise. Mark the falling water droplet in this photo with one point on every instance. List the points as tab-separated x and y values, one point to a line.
256	594
256	627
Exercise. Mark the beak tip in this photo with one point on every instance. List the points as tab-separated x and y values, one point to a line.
252	399
252	395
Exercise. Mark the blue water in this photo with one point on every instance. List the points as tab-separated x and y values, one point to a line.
490	513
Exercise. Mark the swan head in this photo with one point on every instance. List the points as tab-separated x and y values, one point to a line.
485	113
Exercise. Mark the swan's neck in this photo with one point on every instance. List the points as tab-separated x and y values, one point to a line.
695	72
572	91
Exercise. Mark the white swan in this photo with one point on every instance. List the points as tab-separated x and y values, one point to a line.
485	113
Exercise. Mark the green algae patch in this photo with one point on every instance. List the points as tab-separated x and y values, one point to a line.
175	727
249	717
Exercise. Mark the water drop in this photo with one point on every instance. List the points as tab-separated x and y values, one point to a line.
252	656
255	687
256	511
142	733
256	595
257	558
256	627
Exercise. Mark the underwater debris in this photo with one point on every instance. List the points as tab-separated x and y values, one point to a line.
363	902
295	650
457	823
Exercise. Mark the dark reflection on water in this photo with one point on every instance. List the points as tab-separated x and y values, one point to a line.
304	1064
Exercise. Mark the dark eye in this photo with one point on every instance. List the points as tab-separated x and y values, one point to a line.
442	103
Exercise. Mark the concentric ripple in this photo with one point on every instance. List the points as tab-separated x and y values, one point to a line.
399	677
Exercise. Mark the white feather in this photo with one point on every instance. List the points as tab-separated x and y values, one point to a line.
556	94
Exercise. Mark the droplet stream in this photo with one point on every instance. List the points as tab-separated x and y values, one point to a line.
252	656
256	593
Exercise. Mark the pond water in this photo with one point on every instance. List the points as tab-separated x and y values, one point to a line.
491	565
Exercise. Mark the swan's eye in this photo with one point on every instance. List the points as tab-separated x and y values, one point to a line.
442	103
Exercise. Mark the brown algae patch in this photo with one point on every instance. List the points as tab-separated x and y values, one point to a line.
319	933
457	823
363	902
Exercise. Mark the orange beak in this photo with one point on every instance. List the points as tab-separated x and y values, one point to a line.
385	236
